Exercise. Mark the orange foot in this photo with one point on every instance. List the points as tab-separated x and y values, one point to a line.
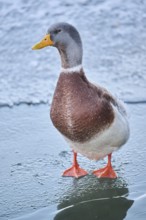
75	171
106	172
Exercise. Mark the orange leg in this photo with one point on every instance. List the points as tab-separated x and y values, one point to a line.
106	172
75	170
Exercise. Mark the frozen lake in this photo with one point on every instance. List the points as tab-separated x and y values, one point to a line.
33	156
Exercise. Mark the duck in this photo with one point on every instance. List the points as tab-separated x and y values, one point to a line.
93	121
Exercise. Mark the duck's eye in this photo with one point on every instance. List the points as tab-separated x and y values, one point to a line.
57	31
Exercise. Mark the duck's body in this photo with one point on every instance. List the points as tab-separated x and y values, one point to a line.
93	122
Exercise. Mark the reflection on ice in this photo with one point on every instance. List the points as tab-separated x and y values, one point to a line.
106	208
104	199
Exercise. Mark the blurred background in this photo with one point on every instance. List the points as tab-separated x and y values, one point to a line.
114	42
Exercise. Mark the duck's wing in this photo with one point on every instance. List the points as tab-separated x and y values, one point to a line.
114	100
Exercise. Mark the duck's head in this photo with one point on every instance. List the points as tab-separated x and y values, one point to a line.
67	40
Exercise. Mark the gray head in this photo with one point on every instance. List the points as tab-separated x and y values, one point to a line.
67	40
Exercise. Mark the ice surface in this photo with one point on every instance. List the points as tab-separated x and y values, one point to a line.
33	156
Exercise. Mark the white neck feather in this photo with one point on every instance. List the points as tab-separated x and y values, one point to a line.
72	69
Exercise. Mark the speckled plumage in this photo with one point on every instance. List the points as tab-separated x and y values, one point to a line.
80	109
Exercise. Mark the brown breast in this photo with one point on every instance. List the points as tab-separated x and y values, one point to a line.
79	109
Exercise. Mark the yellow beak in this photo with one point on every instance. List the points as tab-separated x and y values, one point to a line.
46	41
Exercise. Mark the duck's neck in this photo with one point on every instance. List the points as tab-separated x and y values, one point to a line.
76	69
71	57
